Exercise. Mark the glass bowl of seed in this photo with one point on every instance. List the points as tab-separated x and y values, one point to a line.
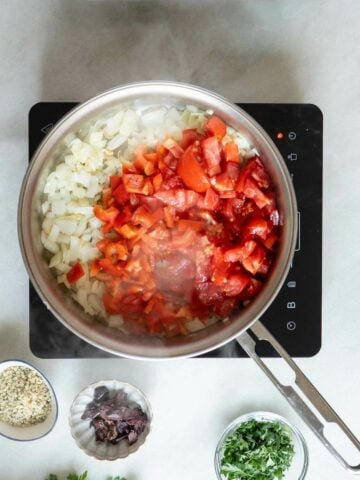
28	405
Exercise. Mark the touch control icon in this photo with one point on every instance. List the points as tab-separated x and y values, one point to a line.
291	325
292	135
46	129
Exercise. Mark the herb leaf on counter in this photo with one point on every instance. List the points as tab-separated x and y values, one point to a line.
83	476
73	476
257	451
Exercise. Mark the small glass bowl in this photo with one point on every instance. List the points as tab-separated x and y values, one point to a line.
36	431
300	461
84	434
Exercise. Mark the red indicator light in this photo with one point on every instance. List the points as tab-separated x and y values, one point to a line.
280	136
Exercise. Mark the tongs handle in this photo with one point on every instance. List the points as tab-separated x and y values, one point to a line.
317	401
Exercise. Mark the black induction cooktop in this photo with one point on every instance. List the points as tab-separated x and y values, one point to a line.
294	318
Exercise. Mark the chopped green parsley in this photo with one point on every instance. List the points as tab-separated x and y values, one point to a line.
257	450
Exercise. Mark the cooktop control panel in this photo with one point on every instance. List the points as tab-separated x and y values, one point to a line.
294	317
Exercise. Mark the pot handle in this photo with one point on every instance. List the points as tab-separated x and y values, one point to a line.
310	417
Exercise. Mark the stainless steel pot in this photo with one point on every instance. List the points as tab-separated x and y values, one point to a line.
74	318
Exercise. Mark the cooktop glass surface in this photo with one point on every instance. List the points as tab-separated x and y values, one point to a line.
294	318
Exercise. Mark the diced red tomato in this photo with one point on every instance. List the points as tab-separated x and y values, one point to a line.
227	194
225	307
216	127
228	211
264	268
204	267
223	183
173	147
134	239
189	136
231	151
115	251
208	293
153	157
253	289
128	231
121	195
171	162
149	168
75	273
253	262
180	199
169	216
157	181
240	253
160	233
270	240
142	216
101	244
144	162
150	202
188	232
183	239
236	284
108	215
135	183
254	171
252	191
115	181
221	270
244	174
212	154
107	198
256	227
172	182
259	174
211	200
129	167
195	225
191	172
121	219
232	170
107	266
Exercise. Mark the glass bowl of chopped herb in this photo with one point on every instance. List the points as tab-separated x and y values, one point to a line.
28	405
261	446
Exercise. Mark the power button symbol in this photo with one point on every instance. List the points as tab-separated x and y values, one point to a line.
291	325
292	135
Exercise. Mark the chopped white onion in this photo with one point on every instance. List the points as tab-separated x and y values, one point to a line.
54	233
55	260
116	142
195	325
115	321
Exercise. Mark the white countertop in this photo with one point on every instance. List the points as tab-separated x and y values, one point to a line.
281	51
